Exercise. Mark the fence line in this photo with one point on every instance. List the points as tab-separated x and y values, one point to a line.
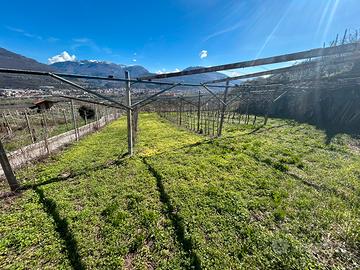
26	154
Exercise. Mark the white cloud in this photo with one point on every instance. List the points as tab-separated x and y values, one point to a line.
64	56
24	33
203	54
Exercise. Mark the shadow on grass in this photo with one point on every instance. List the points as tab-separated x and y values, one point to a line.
60	178
62	228
83	172
176	220
256	130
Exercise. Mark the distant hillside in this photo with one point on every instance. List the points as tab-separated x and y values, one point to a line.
85	67
99	68
197	78
16	61
204	77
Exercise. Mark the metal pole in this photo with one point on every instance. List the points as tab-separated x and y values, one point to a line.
129	115
9	174
154	95
211	92
86	90
135	115
223	109
89	101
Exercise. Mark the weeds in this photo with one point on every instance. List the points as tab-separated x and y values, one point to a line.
236	202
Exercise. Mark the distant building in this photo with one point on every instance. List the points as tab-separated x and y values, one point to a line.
42	105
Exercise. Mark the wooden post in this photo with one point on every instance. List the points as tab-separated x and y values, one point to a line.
53	117
9	174
199	112
191	118
29	127
213	123
181	108
267	113
74	120
254	121
177	115
265	119
247	111
45	133
8	127
97	116
65	119
208	117
223	109
129	115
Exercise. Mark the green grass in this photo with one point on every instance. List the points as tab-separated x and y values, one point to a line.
276	198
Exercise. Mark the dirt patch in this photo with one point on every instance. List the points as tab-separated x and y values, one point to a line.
355	147
334	253
129	261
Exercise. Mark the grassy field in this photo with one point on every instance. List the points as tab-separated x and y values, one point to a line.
279	197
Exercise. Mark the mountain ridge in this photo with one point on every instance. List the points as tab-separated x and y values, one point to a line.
13	60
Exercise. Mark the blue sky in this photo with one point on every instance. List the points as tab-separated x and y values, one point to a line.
167	35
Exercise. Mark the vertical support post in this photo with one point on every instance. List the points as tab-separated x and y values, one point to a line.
65	119
205	123
177	115
254	121
96	117
129	115
74	120
8	127
213	123
266	119
223	109
9	174
96	113
53	117
198	112
247	110
135	124
181	108
267	113
29	127
45	133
